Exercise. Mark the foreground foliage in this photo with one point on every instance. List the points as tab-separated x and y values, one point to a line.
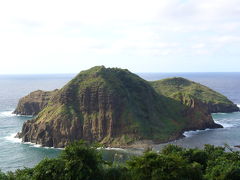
80	161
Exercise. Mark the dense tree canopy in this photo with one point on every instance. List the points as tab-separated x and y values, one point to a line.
80	161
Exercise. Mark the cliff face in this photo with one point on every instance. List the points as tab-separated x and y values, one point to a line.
110	106
199	101
116	108
33	103
199	116
222	107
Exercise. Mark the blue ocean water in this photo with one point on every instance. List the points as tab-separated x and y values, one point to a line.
14	154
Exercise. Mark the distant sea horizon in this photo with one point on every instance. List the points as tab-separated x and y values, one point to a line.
50	74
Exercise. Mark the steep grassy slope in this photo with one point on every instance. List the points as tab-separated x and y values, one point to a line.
114	107
110	106
184	90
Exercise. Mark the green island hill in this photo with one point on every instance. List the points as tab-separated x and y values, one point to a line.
117	108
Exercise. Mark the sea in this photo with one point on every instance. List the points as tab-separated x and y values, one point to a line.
16	155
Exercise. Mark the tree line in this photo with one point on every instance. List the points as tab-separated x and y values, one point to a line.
81	161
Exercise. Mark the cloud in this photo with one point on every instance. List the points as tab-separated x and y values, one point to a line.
199	46
132	29
226	39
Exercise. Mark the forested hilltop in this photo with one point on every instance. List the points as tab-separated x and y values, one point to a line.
80	161
117	108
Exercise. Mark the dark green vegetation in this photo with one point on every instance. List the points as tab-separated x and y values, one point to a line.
184	90
179	88
79	161
117	108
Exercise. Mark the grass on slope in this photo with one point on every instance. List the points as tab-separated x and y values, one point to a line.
145	111
179	87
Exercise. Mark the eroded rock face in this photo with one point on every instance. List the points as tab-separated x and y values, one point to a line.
33	103
110	106
199	115
222	108
96	115
116	108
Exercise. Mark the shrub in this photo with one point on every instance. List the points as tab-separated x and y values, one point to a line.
49	169
82	162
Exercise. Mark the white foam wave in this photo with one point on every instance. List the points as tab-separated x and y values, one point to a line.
23	115
110	148
225	125
219	113
118	149
13	139
7	114
238	105
192	133
11	114
34	145
229	122
52	148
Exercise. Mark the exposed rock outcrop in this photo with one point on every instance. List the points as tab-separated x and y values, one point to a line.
200	117
116	108
33	103
110	106
200	101
222	108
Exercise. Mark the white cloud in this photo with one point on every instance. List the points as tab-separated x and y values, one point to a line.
61	29
199	46
226	39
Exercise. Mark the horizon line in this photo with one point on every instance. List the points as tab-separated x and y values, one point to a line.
132	72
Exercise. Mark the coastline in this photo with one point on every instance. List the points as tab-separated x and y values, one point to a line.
140	145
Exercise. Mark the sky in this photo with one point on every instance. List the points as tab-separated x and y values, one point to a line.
38	37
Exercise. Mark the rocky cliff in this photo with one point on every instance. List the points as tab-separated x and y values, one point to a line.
199	101
33	103
116	108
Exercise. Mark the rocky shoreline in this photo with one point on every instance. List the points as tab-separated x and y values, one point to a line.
116	109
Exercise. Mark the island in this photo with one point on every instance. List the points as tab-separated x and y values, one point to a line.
117	108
